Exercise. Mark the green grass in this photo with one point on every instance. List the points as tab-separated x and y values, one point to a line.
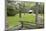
29	18
14	20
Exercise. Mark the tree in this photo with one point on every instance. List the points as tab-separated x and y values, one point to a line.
11	10
40	7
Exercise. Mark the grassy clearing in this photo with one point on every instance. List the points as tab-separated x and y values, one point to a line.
29	17
14	20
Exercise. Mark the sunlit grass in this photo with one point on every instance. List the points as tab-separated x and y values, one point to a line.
14	20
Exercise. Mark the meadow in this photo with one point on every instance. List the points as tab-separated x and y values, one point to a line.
15	20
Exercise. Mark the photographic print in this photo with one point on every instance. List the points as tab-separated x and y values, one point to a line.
24	15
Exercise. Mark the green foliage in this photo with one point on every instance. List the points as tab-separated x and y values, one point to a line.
11	10
40	8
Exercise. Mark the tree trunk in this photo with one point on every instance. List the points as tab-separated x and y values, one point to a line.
20	13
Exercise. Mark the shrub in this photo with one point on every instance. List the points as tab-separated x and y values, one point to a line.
11	10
